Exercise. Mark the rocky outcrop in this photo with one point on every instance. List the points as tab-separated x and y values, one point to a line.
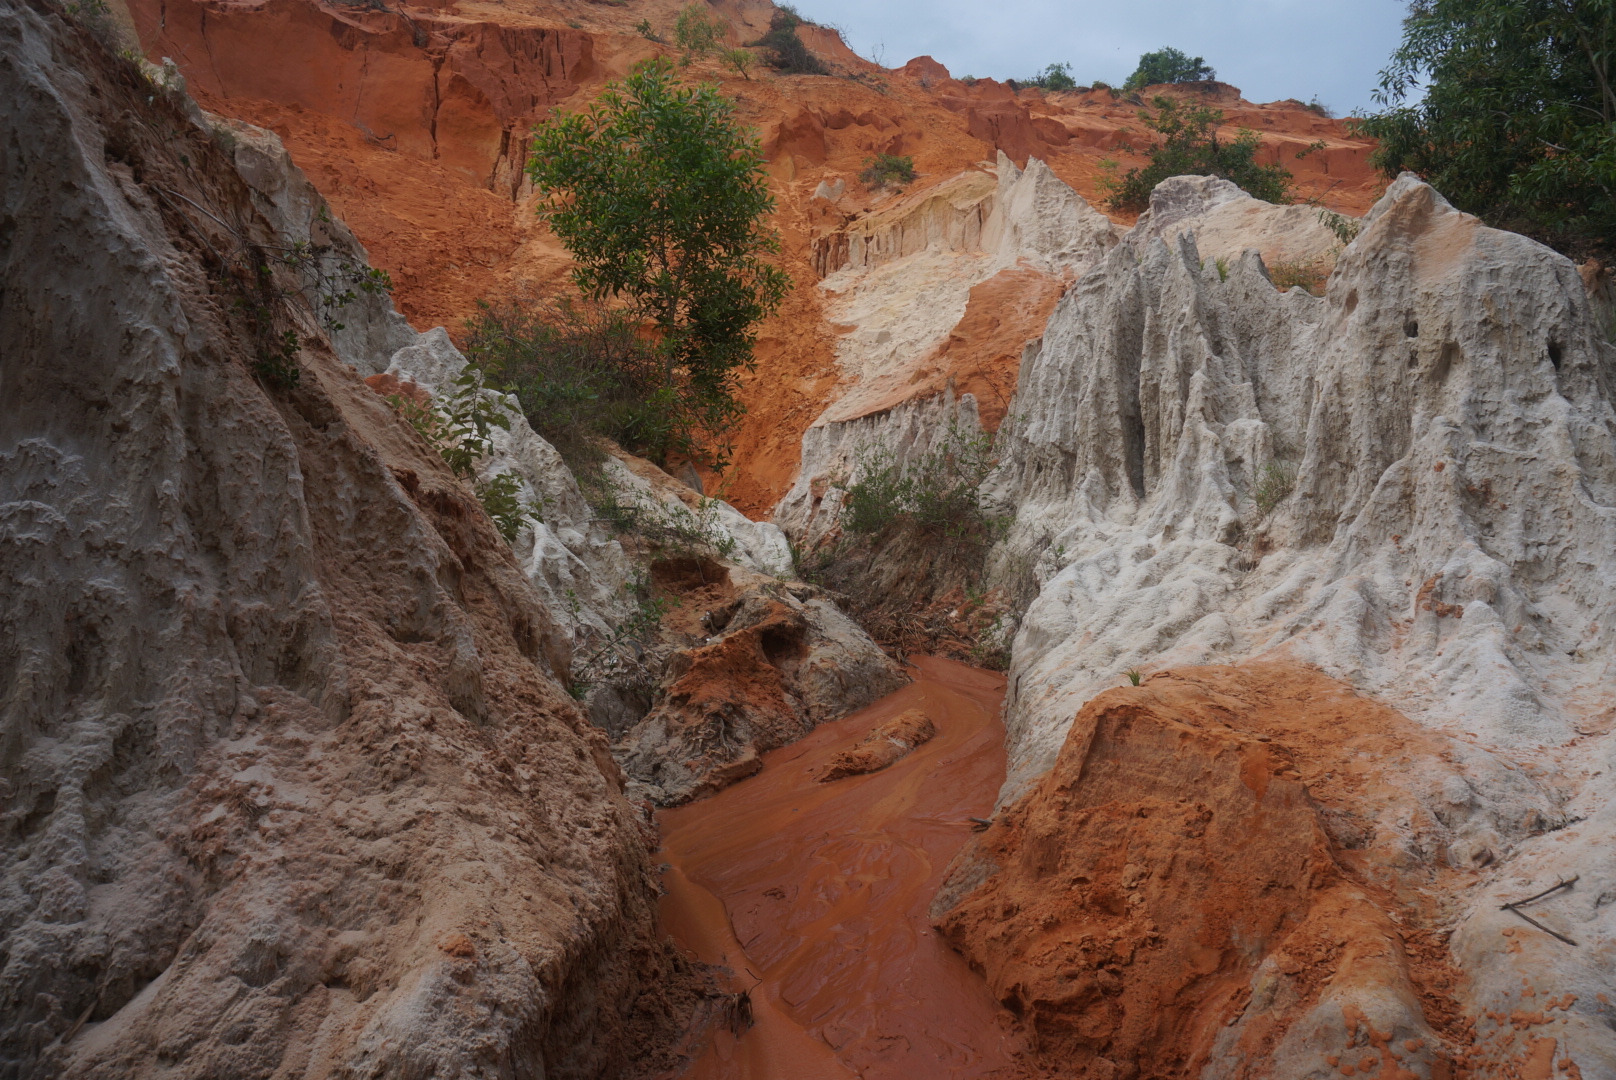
936	299
1233	872
885	744
777	661
1407	482
690	708
289	782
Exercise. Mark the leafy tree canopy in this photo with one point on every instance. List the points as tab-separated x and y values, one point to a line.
661	199
784	49
1190	147
1168	65
1518	119
1053	77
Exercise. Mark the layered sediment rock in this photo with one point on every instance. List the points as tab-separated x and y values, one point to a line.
289	782
414	123
936	298
1407	482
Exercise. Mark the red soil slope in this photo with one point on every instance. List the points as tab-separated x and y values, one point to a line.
413	121
1215	833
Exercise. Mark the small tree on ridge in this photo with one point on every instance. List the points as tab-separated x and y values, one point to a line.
1168	65
662	200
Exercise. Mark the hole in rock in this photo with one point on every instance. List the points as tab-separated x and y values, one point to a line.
687	572
1411	328
1352	301
783	645
1451	353
1554	354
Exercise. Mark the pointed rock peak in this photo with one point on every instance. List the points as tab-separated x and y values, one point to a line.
1008	173
1405	186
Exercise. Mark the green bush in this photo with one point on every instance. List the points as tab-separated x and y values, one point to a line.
662	200
1508	107
739	61
1168	65
786	52
582	372
695	33
1053	77
1191	147
939	493
884	169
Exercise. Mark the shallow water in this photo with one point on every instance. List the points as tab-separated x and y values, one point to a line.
814	896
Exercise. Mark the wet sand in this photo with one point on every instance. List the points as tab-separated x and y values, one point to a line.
814	896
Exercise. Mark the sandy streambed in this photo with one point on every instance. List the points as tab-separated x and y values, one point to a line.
814	895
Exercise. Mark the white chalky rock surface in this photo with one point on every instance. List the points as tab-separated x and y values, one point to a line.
904	285
1444	540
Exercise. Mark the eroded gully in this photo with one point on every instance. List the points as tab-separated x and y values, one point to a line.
814	898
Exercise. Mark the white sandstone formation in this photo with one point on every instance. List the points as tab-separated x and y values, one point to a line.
287	782
1409	482
901	281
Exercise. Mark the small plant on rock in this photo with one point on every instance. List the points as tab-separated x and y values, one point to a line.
1190	146
888	169
1346	229
1276	481
1310	274
1133	675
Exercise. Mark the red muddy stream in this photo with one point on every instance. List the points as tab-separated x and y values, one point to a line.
821	891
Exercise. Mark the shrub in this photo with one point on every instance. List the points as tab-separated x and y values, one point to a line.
886	169
1310	274
1274	483
1191	147
1508	107
648	32
661	198
1168	65
695	33
1053	77
786	52
739	61
582	372
938	493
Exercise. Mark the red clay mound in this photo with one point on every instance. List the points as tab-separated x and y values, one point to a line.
890	742
1173	891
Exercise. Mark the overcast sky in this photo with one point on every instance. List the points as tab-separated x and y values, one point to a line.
1271	49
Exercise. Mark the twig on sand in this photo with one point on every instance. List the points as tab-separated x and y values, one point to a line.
1515	906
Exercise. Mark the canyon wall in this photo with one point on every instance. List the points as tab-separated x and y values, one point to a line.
413	120
1404	490
289	779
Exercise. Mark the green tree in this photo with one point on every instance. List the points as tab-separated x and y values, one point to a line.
1168	65
695	33
1517	122
1053	77
785	50
1191	147
661	198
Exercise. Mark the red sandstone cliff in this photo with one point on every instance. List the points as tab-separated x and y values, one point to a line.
412	121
